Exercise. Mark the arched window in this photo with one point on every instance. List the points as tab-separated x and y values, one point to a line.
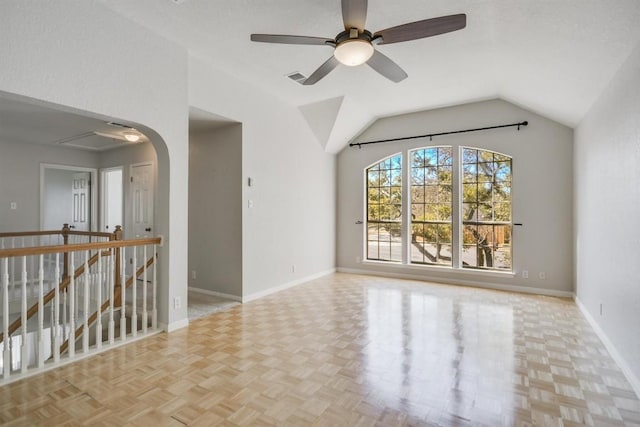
431	205
384	210
486	210
466	226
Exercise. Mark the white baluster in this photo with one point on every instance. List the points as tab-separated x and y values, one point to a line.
34	289
145	315
41	355
71	335
134	294
6	339
154	315
56	311
12	275
23	355
98	287
123	293
85	306
111	275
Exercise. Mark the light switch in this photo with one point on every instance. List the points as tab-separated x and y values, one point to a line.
14	206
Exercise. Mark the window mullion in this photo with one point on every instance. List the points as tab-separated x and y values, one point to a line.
406	207
456	209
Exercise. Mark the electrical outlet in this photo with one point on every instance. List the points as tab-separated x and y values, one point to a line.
542	275
525	274
14	206
358	259
177	303
193	274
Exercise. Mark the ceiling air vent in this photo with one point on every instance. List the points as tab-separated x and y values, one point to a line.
297	77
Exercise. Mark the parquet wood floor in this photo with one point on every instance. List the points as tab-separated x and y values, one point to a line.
348	350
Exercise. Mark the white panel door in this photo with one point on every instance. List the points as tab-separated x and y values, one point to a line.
81	194
142	200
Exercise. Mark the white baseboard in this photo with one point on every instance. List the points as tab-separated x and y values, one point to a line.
287	285
215	294
461	282
617	357
174	326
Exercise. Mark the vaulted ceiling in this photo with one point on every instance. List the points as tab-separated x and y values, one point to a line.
551	56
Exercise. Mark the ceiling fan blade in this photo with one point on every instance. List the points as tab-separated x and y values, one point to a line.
322	71
385	66
420	29
354	14
286	39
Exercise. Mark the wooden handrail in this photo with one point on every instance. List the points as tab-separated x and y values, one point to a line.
51	294
53	232
30	233
41	250
117	300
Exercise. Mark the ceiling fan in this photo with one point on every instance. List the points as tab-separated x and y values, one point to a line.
355	45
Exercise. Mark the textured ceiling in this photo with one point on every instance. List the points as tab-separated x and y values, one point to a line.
553	57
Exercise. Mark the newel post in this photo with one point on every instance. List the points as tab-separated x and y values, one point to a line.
117	235
65	240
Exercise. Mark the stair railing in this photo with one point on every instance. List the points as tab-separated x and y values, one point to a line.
72	306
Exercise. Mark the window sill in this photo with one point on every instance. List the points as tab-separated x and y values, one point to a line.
439	269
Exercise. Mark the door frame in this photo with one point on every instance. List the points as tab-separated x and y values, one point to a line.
103	194
93	194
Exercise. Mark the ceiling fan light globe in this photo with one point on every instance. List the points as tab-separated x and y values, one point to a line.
353	52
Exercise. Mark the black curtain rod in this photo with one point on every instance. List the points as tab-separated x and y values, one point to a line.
431	135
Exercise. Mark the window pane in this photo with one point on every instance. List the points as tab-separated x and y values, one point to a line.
444	174
470	193
384	210
485	172
431	194
444	156
417	176
444	193
444	233
417	194
469	155
417	212
486	244
502	211
374	178
433	176
503	171
469	212
470	173
485	212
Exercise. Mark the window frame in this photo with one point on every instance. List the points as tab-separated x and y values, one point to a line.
457	221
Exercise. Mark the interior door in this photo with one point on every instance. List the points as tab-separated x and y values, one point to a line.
142	200
81	195
112	202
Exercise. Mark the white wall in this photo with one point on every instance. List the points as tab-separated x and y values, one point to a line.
542	191
87	59
607	208
215	210
20	180
292	221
